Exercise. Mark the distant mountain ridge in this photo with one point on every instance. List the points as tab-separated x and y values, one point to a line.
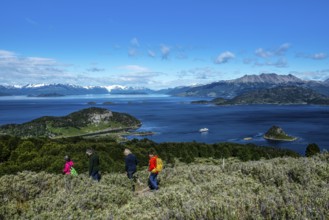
231	88
43	90
224	88
282	95
268	78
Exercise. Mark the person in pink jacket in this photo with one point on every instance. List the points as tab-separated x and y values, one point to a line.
68	164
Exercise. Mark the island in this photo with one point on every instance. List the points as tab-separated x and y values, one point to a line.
276	133
87	122
108	103
46	95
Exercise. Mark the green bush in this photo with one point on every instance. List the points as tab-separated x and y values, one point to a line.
280	188
312	149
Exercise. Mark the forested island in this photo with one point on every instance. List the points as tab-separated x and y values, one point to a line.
86	122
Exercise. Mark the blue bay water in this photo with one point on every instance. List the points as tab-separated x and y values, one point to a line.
174	119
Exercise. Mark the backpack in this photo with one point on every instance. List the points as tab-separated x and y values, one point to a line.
159	166
73	172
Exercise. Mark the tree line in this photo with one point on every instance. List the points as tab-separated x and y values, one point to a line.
44	154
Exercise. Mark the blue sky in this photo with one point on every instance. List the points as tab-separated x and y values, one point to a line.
160	44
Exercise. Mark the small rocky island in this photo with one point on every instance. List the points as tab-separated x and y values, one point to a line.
276	133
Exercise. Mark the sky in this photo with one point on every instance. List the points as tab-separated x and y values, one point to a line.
160	44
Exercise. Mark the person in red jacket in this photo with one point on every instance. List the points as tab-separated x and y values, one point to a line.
153	182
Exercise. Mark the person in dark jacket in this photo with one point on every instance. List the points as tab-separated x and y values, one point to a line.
93	165
131	166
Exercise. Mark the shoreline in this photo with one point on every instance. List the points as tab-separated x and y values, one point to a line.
278	139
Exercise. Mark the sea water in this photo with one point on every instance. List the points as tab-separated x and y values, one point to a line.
175	119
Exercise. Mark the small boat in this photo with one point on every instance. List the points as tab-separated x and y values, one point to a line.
203	130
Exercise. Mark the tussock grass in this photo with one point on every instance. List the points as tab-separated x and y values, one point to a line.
280	188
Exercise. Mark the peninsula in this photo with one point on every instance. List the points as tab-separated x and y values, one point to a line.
282	95
86	122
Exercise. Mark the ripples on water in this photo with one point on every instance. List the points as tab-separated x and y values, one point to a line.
174	119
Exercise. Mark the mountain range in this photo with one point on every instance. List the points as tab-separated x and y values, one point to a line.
49	90
233	88
225	88
281	95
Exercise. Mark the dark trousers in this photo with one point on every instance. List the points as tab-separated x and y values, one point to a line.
153	182
132	178
96	176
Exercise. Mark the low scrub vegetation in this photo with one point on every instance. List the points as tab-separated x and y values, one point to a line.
279	188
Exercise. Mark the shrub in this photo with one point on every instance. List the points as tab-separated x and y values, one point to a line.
280	188
312	149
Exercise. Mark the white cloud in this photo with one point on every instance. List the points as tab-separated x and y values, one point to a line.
224	57
95	69
263	53
134	68
281	63
165	51
201	73
6	54
16	69
315	56
280	51
319	56
312	75
132	52
134	42
151	53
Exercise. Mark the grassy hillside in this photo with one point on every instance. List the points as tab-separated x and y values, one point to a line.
86	121
280	188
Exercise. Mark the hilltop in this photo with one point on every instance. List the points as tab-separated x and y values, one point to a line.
84	122
280	188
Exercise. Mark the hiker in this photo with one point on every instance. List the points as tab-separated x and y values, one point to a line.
68	164
153	182
93	165
131	166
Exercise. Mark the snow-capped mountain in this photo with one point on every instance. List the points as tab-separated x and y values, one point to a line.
66	89
56	89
